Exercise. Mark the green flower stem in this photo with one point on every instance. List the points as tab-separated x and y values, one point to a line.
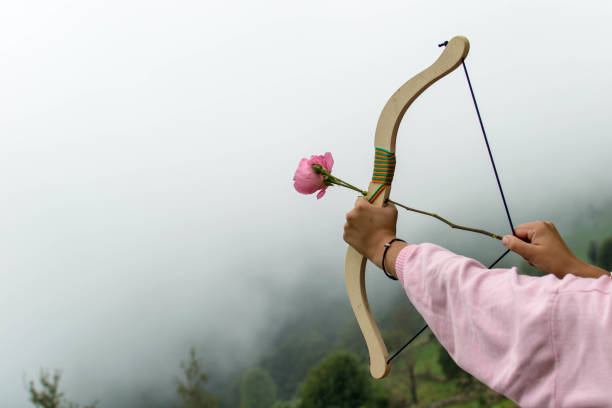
450	224
335	180
343	183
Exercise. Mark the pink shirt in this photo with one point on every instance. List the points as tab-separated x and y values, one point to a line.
540	341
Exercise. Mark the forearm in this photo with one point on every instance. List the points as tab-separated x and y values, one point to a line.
390	258
584	270
574	266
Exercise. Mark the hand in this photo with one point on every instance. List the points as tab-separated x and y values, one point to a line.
542	246
368	228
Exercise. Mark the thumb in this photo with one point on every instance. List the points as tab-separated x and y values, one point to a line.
390	207
517	245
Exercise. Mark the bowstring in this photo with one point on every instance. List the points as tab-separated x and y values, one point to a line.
501	192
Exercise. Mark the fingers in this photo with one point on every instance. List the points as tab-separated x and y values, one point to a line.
534	231
360	205
529	230
521	231
361	202
364	202
527	225
392	209
515	244
390	205
345	234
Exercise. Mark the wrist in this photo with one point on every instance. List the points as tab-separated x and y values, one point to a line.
585	270
390	258
392	250
378	249
591	271
573	266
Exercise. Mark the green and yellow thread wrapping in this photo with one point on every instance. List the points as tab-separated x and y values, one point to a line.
384	168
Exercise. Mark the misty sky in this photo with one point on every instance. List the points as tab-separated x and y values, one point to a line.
147	150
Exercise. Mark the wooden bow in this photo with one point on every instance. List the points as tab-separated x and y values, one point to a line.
386	132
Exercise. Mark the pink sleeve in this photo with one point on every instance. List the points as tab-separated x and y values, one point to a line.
541	341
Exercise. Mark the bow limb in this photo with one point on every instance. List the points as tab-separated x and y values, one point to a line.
386	133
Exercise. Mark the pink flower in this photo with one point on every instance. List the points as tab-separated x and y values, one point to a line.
306	181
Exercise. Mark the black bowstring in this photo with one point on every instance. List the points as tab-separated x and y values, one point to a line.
501	191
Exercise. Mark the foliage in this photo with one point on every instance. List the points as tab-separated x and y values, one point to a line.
193	390
404	318
257	390
405	322
604	255
49	395
339	381
450	369
351	339
592	252
294	356
228	391
379	397
286	404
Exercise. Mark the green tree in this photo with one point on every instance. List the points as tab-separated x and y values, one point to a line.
257	389
287	404
293	357
339	381
450	369
379	397
405	321
49	395
453	372
592	252
193	390
604	256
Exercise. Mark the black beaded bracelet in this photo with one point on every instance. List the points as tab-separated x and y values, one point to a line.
387	246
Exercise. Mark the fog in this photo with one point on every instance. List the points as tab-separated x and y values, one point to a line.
148	149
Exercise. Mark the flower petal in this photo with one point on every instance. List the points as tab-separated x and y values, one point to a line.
321	193
306	181
328	162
